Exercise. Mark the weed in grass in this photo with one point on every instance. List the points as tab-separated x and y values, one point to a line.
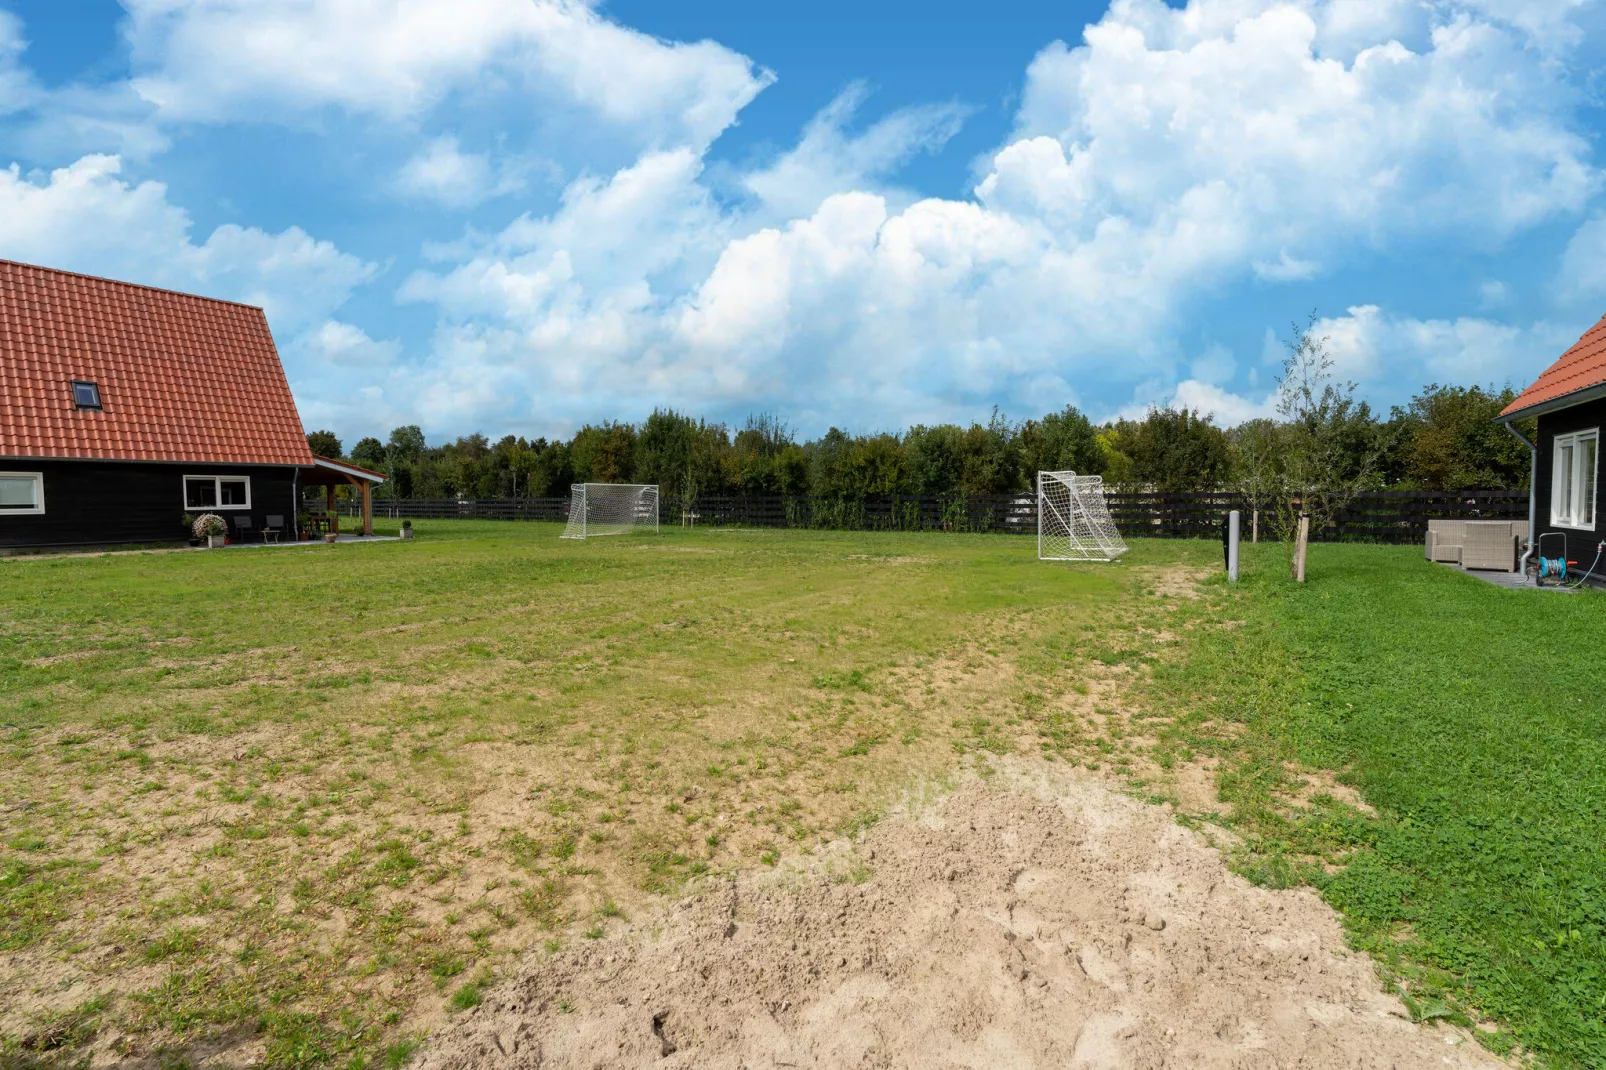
173	945
28	841
446	966
544	903
522	850
60	1031
472	993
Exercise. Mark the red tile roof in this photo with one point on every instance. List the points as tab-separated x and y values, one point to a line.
181	378
1581	367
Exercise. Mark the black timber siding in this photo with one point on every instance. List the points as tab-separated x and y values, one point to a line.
1581	543
109	502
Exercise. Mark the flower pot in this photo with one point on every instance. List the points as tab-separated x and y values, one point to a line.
305	537
406	533
330	537
216	542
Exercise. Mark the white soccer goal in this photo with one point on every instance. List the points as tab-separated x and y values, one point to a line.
1073	519
611	509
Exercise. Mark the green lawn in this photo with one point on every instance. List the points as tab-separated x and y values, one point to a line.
1474	720
319	794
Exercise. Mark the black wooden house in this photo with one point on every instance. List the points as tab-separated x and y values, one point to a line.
1569	401
123	408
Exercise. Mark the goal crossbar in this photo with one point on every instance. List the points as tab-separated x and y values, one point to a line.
1073	519
611	509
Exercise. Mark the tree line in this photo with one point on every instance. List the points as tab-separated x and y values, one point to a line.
1445	439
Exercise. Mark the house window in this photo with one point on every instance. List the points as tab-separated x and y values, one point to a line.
85	395
1572	489
217	492
22	493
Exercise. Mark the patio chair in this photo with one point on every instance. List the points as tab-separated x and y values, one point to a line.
242	527
1445	539
273	528
1490	544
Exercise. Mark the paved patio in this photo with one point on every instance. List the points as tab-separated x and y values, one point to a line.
311	542
1511	581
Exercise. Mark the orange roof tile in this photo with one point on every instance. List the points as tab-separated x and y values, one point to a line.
1581	367
181	378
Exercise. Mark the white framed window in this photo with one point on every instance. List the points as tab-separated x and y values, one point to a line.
217	492
1572	483
22	493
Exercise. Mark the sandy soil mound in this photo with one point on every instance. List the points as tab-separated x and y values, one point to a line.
1041	925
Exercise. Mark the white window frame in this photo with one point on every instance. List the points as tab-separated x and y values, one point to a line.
39	496
217	492
1582	483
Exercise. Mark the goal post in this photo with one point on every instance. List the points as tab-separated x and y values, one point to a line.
1073	519
611	509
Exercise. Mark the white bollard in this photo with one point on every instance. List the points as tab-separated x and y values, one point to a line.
1233	520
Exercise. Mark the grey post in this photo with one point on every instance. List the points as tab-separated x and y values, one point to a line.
1233	520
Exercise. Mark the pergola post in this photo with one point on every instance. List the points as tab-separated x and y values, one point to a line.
331	474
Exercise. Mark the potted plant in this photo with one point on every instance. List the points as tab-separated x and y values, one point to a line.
210	526
189	529
304	525
407	529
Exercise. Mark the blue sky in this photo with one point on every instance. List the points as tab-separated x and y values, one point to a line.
518	216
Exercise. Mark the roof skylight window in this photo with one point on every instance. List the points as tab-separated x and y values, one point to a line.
85	395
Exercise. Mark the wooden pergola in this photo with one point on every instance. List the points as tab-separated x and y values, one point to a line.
329	474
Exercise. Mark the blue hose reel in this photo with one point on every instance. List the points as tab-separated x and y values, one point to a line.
1552	559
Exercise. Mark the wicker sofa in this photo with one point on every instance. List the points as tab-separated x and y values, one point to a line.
1445	539
1479	544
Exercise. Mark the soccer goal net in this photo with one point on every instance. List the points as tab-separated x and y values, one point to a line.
611	509
1073	520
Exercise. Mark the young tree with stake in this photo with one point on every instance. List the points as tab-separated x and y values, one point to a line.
1321	467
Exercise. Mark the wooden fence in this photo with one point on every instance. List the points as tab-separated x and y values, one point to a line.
1380	516
461	508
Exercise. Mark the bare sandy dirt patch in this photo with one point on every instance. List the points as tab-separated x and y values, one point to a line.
1050	922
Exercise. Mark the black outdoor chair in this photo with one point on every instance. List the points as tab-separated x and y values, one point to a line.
242	527
273	528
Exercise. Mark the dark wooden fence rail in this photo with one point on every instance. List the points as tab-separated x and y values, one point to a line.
1381	516
462	508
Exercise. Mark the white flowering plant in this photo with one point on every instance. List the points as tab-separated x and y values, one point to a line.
209	524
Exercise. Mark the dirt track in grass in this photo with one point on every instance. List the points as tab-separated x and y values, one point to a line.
1039	918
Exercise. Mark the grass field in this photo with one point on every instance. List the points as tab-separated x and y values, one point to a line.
1474	720
319	793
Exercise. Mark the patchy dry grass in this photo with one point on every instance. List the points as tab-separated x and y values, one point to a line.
298	805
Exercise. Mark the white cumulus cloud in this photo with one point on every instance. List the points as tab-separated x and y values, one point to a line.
828	159
1170	156
1174	152
442	172
1371	346
17	87
86	217
346	345
219	60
